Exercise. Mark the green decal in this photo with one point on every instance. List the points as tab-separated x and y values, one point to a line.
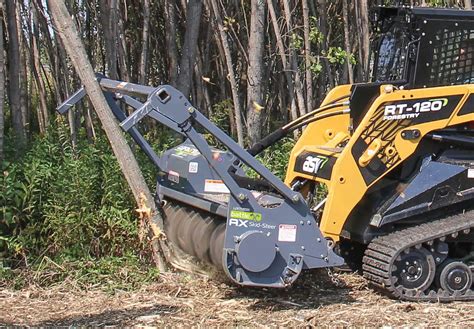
246	215
444	100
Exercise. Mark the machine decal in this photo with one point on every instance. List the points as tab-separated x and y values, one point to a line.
470	173
237	222
419	110
408	113
246	215
403	111
286	233
311	163
193	167
215	186
173	176
185	150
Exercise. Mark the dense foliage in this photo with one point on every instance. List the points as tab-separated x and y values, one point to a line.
60	201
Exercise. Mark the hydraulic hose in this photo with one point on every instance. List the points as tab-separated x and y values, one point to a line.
285	130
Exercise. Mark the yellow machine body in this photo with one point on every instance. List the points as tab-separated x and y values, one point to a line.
384	141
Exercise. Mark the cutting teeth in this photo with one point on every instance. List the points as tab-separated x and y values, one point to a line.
197	233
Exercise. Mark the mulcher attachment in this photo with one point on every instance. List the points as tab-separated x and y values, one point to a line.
215	214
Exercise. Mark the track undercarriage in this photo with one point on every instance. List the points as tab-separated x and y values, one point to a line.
433	261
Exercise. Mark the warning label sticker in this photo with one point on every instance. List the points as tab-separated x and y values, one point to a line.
215	186
173	176
286	233
470	173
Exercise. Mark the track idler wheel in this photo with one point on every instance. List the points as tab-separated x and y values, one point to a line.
455	277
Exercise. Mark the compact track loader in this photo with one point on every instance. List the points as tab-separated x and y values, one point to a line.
396	156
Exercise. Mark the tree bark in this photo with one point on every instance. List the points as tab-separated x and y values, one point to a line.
2	83
188	54
108	11
307	56
363	29
24	94
230	69
171	40
43	115
468	4
121	45
255	102
14	64
347	42
294	63
326	79
128	164
144	53
281	51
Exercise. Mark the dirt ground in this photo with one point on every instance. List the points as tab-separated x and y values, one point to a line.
185	300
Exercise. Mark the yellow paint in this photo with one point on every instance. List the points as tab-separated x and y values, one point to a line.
347	186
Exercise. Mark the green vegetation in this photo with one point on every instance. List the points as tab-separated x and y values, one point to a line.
68	213
67	205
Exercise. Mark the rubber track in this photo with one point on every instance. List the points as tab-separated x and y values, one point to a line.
383	252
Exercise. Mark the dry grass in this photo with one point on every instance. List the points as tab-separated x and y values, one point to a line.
184	300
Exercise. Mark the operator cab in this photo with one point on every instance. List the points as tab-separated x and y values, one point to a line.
416	48
423	47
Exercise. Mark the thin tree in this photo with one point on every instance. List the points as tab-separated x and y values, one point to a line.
255	70
294	61
172	52
144	53
188	53
362	14
14	64
68	33
347	40
2	82
230	69
284	61
307	55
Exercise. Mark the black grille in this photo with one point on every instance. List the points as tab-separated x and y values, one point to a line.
453	55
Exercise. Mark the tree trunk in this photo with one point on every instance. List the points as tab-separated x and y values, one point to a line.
122	49
468	4
14	64
144	54
24	95
347	42
327	79
255	71
188	53
128	164
281	51
43	115
307	56
108	11
363	29
230	69
294	62
171	40
2	83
